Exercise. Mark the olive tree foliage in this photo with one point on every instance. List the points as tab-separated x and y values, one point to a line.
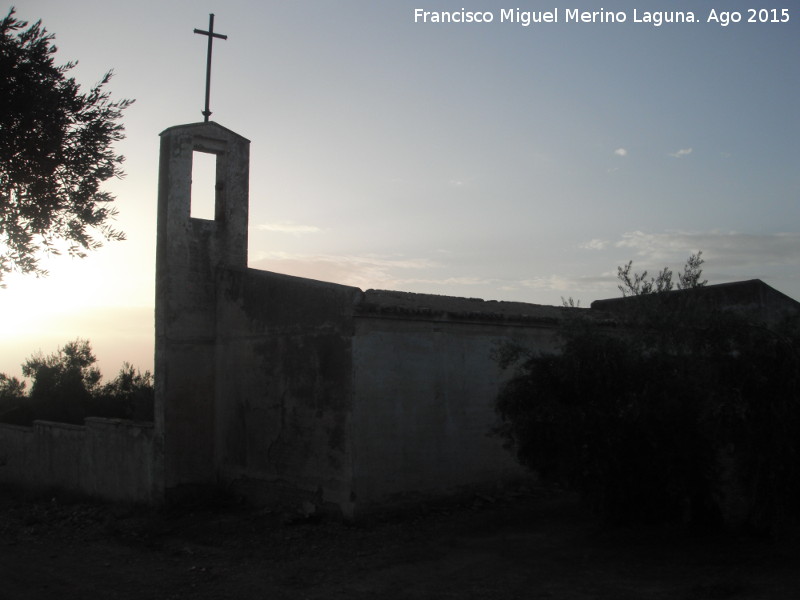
130	395
63	382
637	284
66	387
55	152
12	390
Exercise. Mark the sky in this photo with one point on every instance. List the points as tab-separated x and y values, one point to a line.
486	160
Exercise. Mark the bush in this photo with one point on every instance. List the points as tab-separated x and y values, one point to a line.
650	421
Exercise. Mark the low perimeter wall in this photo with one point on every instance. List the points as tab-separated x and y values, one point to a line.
112	459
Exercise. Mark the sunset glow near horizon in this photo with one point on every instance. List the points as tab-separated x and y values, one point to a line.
491	160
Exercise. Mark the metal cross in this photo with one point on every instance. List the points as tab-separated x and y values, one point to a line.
211	35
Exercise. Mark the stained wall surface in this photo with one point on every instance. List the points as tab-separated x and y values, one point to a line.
112	459
284	372
425	382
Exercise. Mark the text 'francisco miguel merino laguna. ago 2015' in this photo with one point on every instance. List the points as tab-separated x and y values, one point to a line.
576	15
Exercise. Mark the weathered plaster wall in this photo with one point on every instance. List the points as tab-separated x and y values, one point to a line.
106	458
424	390
351	398
284	365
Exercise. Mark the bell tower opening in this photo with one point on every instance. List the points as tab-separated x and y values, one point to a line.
204	185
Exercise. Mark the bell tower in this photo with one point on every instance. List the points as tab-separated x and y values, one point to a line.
189	255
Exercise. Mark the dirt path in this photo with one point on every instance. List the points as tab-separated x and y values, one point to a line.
530	545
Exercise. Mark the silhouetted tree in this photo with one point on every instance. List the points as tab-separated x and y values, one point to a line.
129	395
637	284
12	393
55	151
63	382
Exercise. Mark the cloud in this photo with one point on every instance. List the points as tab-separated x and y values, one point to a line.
621	152
287	227
371	271
660	246
557	283
363	271
595	244
729	255
681	153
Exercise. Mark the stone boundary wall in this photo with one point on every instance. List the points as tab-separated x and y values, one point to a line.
112	459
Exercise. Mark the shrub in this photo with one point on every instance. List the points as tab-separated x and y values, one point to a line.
643	419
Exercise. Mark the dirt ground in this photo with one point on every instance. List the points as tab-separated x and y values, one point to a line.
527	543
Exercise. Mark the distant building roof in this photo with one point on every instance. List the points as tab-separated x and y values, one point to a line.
752	296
